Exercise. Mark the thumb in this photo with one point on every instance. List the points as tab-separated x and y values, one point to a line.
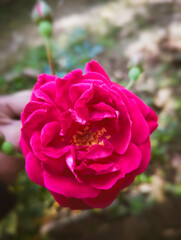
12	132
15	103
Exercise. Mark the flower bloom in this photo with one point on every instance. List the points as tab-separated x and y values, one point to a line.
84	137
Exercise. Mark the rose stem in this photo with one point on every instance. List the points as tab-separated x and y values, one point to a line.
49	54
18	155
130	84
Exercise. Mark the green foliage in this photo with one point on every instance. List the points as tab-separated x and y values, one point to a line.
167	135
178	106
77	51
36	58
143	178
15	80
27	217
174	189
119	211
138	202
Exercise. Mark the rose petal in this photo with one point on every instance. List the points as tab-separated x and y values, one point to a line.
54	166
45	113
104	181
49	89
48	132
72	203
97	168
56	151
62	88
31	108
70	159
80	113
152	120
68	186
100	151
100	111
93	66
24	147
41	97
34	169
35	144
76	90
65	122
126	95
145	149
130	160
75	74
95	77
106	197
43	79
33	123
103	93
121	139
140	130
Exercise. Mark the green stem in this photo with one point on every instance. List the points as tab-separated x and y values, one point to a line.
49	55
18	155
129	85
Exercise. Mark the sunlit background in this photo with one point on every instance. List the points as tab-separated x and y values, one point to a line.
116	33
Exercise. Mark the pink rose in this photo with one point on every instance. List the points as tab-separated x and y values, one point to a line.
84	137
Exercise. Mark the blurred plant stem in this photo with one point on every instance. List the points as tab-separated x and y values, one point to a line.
49	54
42	16
19	155
129	85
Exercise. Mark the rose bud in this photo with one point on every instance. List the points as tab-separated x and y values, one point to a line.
134	73
7	148
84	137
45	28
42	12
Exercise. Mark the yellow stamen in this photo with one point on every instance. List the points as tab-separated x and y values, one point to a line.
108	136
88	138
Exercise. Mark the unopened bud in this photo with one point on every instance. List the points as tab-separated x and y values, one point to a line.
45	28
41	12
134	73
7	148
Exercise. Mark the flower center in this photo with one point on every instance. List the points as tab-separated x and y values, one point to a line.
86	137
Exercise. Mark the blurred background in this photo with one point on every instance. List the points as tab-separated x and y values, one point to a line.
116	33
